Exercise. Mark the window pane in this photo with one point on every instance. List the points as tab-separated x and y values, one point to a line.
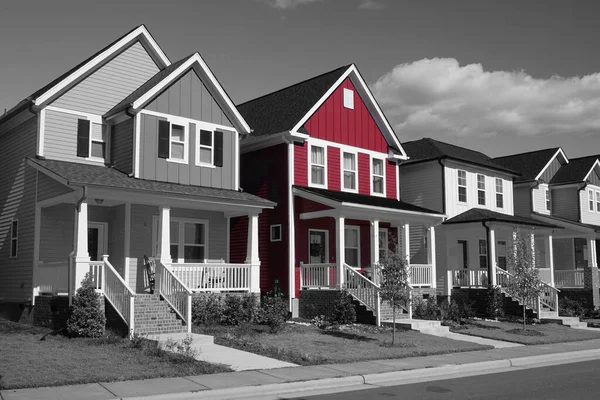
13	248
97	149
174	232
349	161
349	180
15	229
98	132
499	185
499	201
177	150
351	256
483	262
317	155
174	252
351	237
318	175
377	167
177	132
205	155
206	138
194	233
462	178
462	194
378	184
193	253
481	197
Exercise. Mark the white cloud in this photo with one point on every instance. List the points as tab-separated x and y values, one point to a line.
287	4
439	97
370	5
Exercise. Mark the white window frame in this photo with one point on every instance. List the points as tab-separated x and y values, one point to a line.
548	199
481	188
201	126
485	254
357	229
348	98
501	192
310	230
459	186
14	238
105	141
591	200
324	166
181	228
386	245
372	175
598	201
186	135
274	228
355	154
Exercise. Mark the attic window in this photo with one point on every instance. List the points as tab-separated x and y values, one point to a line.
349	99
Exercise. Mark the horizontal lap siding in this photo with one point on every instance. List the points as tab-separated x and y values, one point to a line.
122	146
587	216
111	83
539	199
522	196
422	185
564	203
17	200
56	238
48	188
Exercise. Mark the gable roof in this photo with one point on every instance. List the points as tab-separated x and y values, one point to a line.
163	79
73	75
428	149
483	215
532	164
287	109
575	171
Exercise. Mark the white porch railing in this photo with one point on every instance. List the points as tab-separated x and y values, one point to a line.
569	279
118	293
96	268
468	278
218	277
318	275
548	295
363	290
175	293
420	275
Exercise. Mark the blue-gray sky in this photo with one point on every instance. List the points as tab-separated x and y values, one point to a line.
498	76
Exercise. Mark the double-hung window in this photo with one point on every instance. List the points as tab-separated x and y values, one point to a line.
377	176
481	189
462	186
349	172
499	193
483	253
172	140
209	146
352	246
317	166
14	237
92	139
547	199
189	240
598	201
591	199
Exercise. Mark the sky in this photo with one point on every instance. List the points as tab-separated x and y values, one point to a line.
498	76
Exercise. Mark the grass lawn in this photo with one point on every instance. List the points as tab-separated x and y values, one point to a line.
27	361
308	345
535	334
592	322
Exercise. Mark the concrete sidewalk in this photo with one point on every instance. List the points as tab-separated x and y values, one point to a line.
268	383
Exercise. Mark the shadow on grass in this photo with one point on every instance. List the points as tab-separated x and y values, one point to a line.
526	332
349	336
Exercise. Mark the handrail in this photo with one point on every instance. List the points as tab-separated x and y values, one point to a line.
572	278
118	293
362	289
548	297
175	293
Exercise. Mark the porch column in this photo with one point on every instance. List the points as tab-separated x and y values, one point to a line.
492	255
406	245
164	249
374	250
431	255
252	257
82	255
550	256
591	244
340	249
532	234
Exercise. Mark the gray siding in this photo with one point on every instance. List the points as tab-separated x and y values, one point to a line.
57	235
539	199
154	168
122	146
550	171
422	185
593	178
564	203
111	83
522	199
189	98
49	188
17	198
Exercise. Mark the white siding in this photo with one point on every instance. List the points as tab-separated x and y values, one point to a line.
421	185
454	207
587	216
539	199
111	83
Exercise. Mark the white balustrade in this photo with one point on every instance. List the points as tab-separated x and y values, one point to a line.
118	293
217	277
318	275
469	278
175	292
569	279
420	275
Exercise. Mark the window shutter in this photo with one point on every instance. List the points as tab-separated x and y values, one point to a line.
83	138
164	139
218	149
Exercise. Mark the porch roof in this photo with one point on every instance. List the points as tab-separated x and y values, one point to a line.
75	174
567	224
483	215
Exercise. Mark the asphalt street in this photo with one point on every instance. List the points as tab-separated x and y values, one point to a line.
567	381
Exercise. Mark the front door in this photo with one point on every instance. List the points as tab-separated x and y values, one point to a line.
318	246
97	240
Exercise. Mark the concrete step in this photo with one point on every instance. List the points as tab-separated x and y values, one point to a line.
420	325
572	322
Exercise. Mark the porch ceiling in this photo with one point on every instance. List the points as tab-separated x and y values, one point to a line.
483	215
571	228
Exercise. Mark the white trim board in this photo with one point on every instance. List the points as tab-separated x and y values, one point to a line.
559	151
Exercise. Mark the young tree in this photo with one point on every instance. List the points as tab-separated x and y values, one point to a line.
394	272
87	316
525	284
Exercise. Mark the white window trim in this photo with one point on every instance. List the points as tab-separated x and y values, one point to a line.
186	136
205	127
16	238
272	238
547	199
355	190
106	143
481	254
348	98
591	200
326	242
597	201
181	244
499	192
458	185
481	190
310	164
357	229
372	175
346	147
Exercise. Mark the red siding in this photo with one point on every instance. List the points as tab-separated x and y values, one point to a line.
301	164
390	180
238	240
304	205
333	168
333	122
364	174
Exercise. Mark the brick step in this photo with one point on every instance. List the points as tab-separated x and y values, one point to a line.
154	316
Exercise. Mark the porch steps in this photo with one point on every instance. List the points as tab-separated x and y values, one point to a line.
572	322
419	325
365	315
154	316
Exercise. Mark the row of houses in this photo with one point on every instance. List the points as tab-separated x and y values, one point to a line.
129	157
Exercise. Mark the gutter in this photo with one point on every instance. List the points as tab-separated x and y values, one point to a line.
443	185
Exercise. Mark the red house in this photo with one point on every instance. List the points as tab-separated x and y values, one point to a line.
323	150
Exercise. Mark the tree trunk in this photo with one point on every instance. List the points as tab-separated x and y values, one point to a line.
393	323
524	316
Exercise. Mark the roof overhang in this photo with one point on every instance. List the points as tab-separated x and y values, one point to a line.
575	227
595	166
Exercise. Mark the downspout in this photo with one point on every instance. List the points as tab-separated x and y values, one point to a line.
443	185
132	115
489	259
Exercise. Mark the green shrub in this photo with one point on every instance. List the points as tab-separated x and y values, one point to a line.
426	309
494	304
320	322
87	316
207	310
457	309
343	310
273	312
239	310
570	308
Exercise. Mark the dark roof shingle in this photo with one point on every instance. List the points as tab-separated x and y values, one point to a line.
481	215
574	171
529	164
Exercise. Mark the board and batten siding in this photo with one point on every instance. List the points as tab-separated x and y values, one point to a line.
539	199
364	173
587	216
122	146
188	97
564	202
593	179
301	164
154	168
111	83
60	138
17	201
549	172
422	185
334	180
390	180
454	207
